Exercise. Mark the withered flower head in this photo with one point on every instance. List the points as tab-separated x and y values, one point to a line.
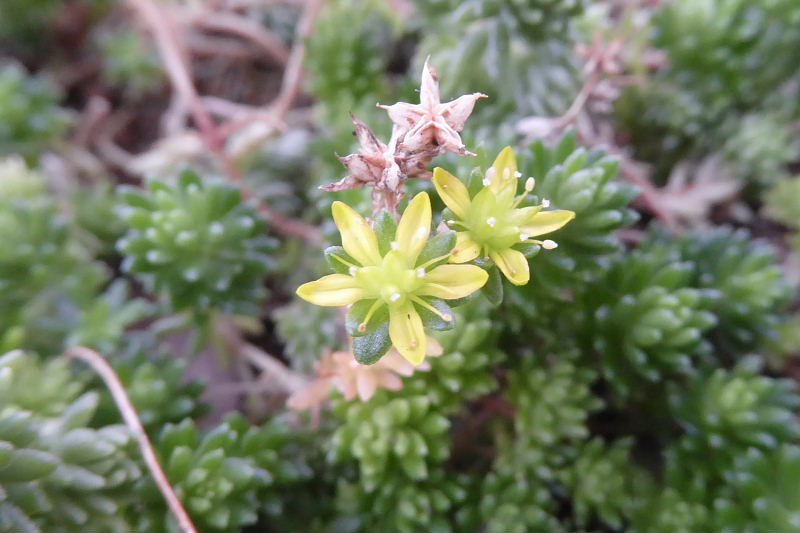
432	124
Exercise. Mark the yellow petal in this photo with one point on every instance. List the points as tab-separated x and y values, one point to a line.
414	227
505	170
453	281
513	264
465	249
332	291
452	192
358	239
547	221
407	333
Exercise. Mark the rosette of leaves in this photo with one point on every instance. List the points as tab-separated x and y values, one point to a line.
747	44
748	287
782	202
197	243
645	321
552	399
536	19
598	482
30	118
762	494
391	436
761	146
24	23
305	345
43	268
585	182
129	62
347	67
463	372
723	416
221	477
665	510
512	51
56	473
689	105
156	386
102	323
402	505
95	215
516	499
347	73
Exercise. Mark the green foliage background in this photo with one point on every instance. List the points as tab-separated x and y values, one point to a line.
645	379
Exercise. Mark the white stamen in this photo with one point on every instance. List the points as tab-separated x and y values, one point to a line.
394	297
491	221
545	203
394	245
352	271
422	232
523	236
530	183
420	272
547	244
517	174
486	182
451	222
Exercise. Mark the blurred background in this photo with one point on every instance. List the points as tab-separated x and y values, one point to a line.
160	165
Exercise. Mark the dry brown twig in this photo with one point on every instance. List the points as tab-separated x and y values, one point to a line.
131	418
161	22
603	70
243	27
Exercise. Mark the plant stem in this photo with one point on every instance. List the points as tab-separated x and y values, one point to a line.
131	418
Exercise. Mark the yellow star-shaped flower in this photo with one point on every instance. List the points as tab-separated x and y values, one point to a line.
395	281
492	223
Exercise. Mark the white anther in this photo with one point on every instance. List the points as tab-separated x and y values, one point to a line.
394	297
352	271
422	232
451	222
549	245
216	228
524	236
530	183
420	272
394	245
545	203
491	221
517	174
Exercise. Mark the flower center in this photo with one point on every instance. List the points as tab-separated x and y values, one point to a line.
392	281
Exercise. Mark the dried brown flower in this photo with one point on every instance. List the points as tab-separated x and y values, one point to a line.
432	125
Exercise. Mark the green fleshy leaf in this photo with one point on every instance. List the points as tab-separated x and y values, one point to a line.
189	177
529	249
493	290
433	321
475	181
357	314
385	229
335	264
371	347
440	245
